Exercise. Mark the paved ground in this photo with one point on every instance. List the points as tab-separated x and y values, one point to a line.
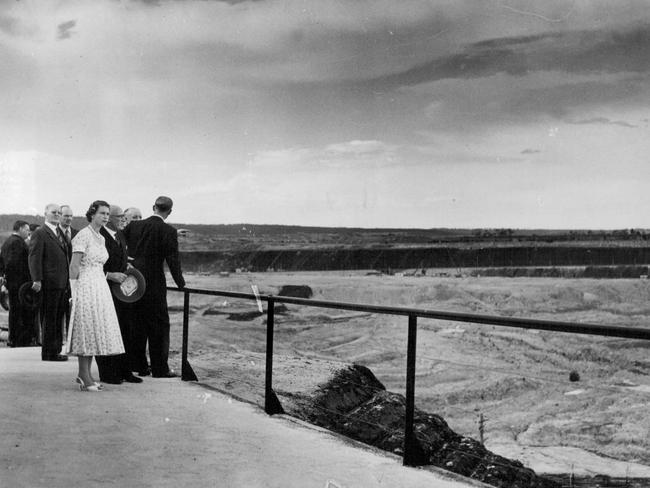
165	432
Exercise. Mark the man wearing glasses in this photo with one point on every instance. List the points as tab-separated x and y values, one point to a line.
132	213
65	224
48	266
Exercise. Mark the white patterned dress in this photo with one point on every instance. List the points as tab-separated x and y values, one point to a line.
95	329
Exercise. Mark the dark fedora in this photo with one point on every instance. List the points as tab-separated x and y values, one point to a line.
28	297
132	288
4	298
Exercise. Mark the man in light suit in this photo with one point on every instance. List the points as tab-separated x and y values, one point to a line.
48	266
16	272
115	369
151	242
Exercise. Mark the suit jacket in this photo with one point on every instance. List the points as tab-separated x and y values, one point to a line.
151	242
15	256
117	255
48	259
73	233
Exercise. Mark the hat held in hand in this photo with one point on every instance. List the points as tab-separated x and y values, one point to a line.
28	297
132	288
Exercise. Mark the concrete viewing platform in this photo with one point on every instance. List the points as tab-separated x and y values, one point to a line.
166	432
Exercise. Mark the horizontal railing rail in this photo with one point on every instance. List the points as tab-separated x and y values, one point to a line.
271	402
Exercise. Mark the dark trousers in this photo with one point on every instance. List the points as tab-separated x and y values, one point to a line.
128	323
152	326
53	312
21	321
117	367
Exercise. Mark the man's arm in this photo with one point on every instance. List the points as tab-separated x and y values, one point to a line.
36	249
173	259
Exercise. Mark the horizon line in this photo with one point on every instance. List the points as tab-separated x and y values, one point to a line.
244	224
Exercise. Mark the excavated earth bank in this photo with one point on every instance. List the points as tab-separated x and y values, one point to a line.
353	402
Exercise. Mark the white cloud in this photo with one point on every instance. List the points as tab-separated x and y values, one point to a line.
18	187
360	147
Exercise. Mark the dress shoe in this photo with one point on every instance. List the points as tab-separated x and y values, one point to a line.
132	379
57	357
111	381
169	374
144	372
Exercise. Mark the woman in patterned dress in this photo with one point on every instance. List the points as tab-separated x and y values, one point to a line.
94	329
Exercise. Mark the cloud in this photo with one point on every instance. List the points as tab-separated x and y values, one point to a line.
352	155
580	52
359	148
559	100
539	97
383	43
65	29
603	121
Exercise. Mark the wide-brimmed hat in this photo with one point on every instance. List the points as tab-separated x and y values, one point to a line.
132	288
28	297
4	297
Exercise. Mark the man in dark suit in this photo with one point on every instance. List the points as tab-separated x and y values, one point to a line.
48	266
16	272
65	224
37	334
115	369
152	242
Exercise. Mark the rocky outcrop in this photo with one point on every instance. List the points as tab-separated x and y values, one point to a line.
296	291
354	403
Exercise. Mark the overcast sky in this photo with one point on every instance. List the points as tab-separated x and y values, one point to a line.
381	113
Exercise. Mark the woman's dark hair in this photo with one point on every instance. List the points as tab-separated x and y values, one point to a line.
92	210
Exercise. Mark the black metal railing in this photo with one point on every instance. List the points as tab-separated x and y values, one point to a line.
271	402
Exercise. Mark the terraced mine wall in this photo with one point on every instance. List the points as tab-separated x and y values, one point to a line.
409	258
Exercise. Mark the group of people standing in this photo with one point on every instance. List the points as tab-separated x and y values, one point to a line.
71	270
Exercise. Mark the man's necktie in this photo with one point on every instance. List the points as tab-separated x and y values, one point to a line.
60	235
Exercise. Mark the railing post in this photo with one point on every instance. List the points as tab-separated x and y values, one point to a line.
187	373
413	453
271	402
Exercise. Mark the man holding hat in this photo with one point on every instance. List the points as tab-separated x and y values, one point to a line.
16	272
115	369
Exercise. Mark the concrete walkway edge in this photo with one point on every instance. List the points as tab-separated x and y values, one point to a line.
166	432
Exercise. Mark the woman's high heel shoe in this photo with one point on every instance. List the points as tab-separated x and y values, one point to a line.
84	387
